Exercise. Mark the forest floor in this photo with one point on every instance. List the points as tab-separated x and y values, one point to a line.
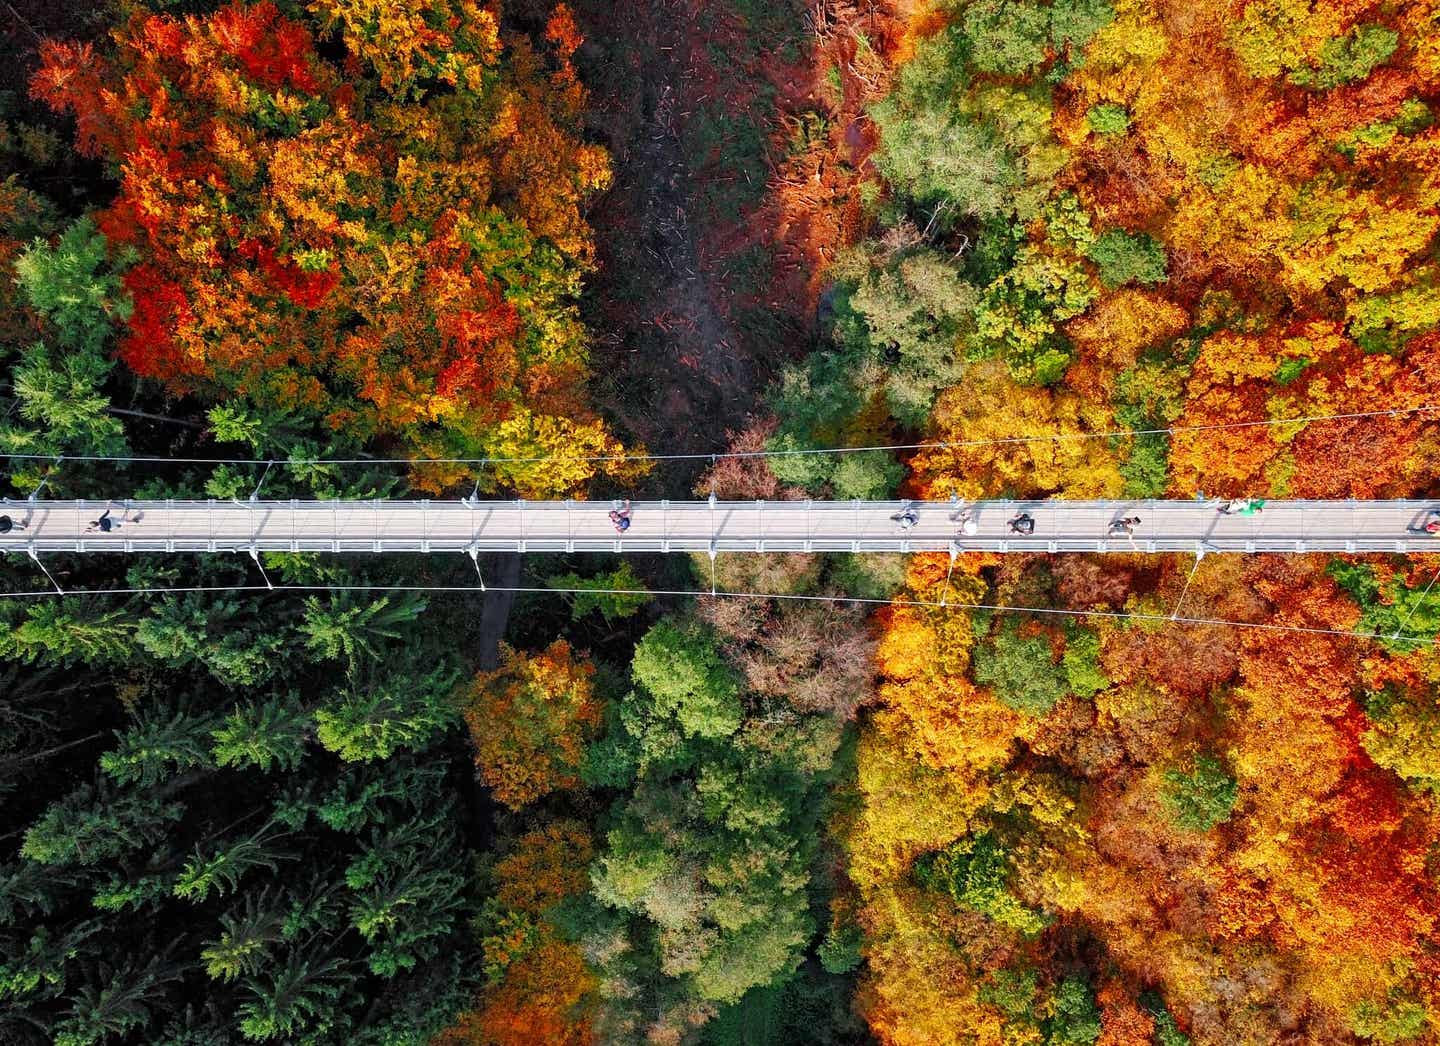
739	144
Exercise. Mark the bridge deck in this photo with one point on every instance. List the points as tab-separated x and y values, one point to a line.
725	526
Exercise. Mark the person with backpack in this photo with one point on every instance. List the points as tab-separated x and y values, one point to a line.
621	517
1125	525
906	519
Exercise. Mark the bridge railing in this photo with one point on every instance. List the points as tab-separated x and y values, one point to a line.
722	526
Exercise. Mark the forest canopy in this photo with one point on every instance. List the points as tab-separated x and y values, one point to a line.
390	246
284	246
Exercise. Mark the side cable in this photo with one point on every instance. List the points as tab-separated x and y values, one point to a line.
1053	437
1262	626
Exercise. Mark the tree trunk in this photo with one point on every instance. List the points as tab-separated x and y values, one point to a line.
495	613
20	760
154	417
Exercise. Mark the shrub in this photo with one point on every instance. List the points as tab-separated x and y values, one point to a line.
1200	800
1124	257
1021	671
1108	118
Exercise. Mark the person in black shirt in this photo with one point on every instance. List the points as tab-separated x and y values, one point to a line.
907	519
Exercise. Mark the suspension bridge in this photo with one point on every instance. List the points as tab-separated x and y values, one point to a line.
713	526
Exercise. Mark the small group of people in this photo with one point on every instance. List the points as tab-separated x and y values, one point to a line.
105	524
966	525
1023	523
906	519
964	520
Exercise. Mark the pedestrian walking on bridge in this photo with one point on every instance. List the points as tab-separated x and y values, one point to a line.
906	519
621	517
1241	507
1431	524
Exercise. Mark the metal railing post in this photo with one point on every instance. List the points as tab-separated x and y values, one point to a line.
1062	527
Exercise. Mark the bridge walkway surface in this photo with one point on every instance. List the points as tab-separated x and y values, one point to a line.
711	526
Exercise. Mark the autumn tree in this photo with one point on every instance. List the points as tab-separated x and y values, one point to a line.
538	989
386	242
529	720
701	889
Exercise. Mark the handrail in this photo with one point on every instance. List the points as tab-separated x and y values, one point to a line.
723	526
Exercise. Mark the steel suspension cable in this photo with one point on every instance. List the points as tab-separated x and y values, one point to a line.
1423	596
700	593
739	454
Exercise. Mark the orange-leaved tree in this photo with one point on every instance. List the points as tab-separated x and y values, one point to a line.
530	719
382	237
539	991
